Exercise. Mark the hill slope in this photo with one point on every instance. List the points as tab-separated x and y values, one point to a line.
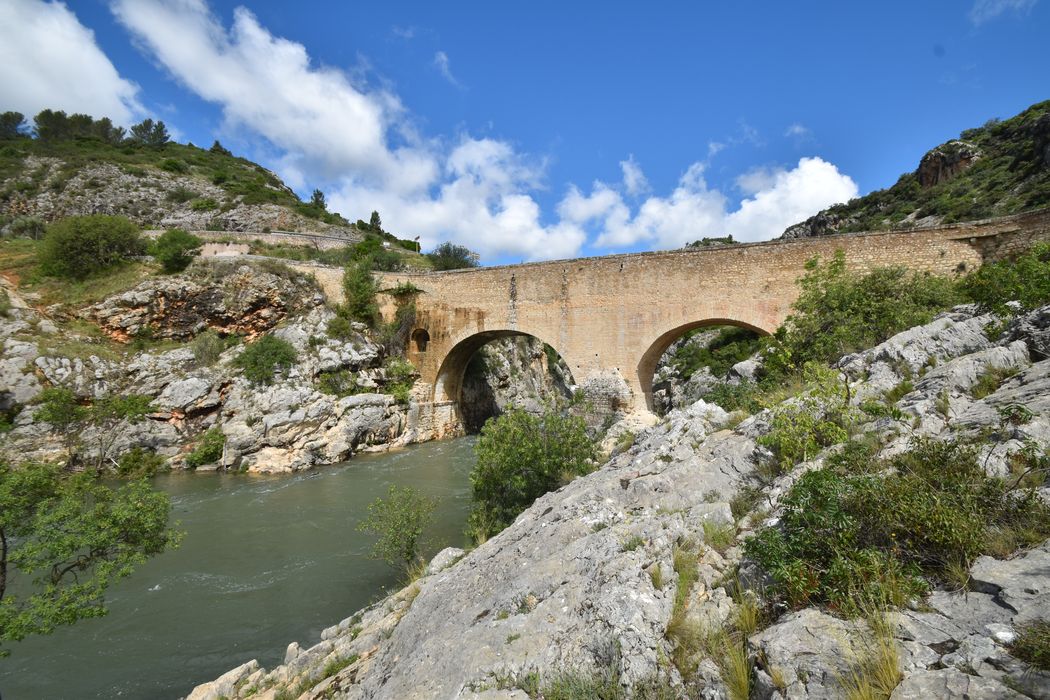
174	185
1000	168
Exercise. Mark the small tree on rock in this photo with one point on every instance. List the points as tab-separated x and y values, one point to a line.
375	223
317	200
399	520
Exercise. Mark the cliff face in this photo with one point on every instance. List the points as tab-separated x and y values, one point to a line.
584	585
1000	168
327	405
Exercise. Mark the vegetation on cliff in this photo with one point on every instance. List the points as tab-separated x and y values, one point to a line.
1000	168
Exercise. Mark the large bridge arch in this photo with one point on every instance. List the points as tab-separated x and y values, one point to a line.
651	357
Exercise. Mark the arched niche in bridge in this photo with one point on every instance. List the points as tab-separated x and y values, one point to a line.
651	358
420	339
450	377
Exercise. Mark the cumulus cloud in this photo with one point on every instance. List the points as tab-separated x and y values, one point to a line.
359	142
441	62
48	59
633	178
776	199
986	10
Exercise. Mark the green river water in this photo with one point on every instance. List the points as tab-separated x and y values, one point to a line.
265	561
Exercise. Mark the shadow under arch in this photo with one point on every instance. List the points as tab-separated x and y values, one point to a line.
650	358
449	383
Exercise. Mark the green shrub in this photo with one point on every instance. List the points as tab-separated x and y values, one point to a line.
339	328
173	165
180	194
207	347
1033	643
359	294
81	246
137	463
838	312
400	376
520	457
261	360
863	532
27	227
399	520
204	204
174	249
208	449
1025	279
339	383
5	304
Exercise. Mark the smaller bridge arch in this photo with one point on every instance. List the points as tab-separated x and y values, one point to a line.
651	357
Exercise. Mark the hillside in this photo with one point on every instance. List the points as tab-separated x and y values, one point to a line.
1000	168
87	169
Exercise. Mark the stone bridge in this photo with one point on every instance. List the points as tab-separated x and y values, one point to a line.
614	316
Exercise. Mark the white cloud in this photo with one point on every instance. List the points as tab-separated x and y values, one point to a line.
327	127
48	59
778	198
633	178
441	62
405	33
986	10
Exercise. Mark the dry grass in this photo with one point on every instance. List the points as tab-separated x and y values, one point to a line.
874	672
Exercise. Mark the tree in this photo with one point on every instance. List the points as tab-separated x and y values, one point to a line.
104	130
317	200
70	418
218	148
520	458
150	133
81	246
359	293
64	539
51	125
449	256
375	223
12	125
175	248
399	520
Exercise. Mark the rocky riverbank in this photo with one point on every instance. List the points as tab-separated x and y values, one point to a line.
328	404
586	583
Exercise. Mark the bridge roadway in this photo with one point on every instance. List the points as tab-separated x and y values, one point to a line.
611	318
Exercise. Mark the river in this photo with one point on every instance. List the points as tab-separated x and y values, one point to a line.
265	561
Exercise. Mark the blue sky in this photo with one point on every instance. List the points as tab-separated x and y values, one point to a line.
541	129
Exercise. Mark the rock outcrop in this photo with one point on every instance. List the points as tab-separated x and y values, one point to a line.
946	161
583	582
230	298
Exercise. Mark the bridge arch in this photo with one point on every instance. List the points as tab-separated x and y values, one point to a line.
651	357
449	382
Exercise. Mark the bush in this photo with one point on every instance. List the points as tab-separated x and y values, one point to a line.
81	246
175	248
1025	279
180	194
27	227
399	520
864	531
520	457
838	312
449	256
359	294
207	347
261	360
208	450
137	463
